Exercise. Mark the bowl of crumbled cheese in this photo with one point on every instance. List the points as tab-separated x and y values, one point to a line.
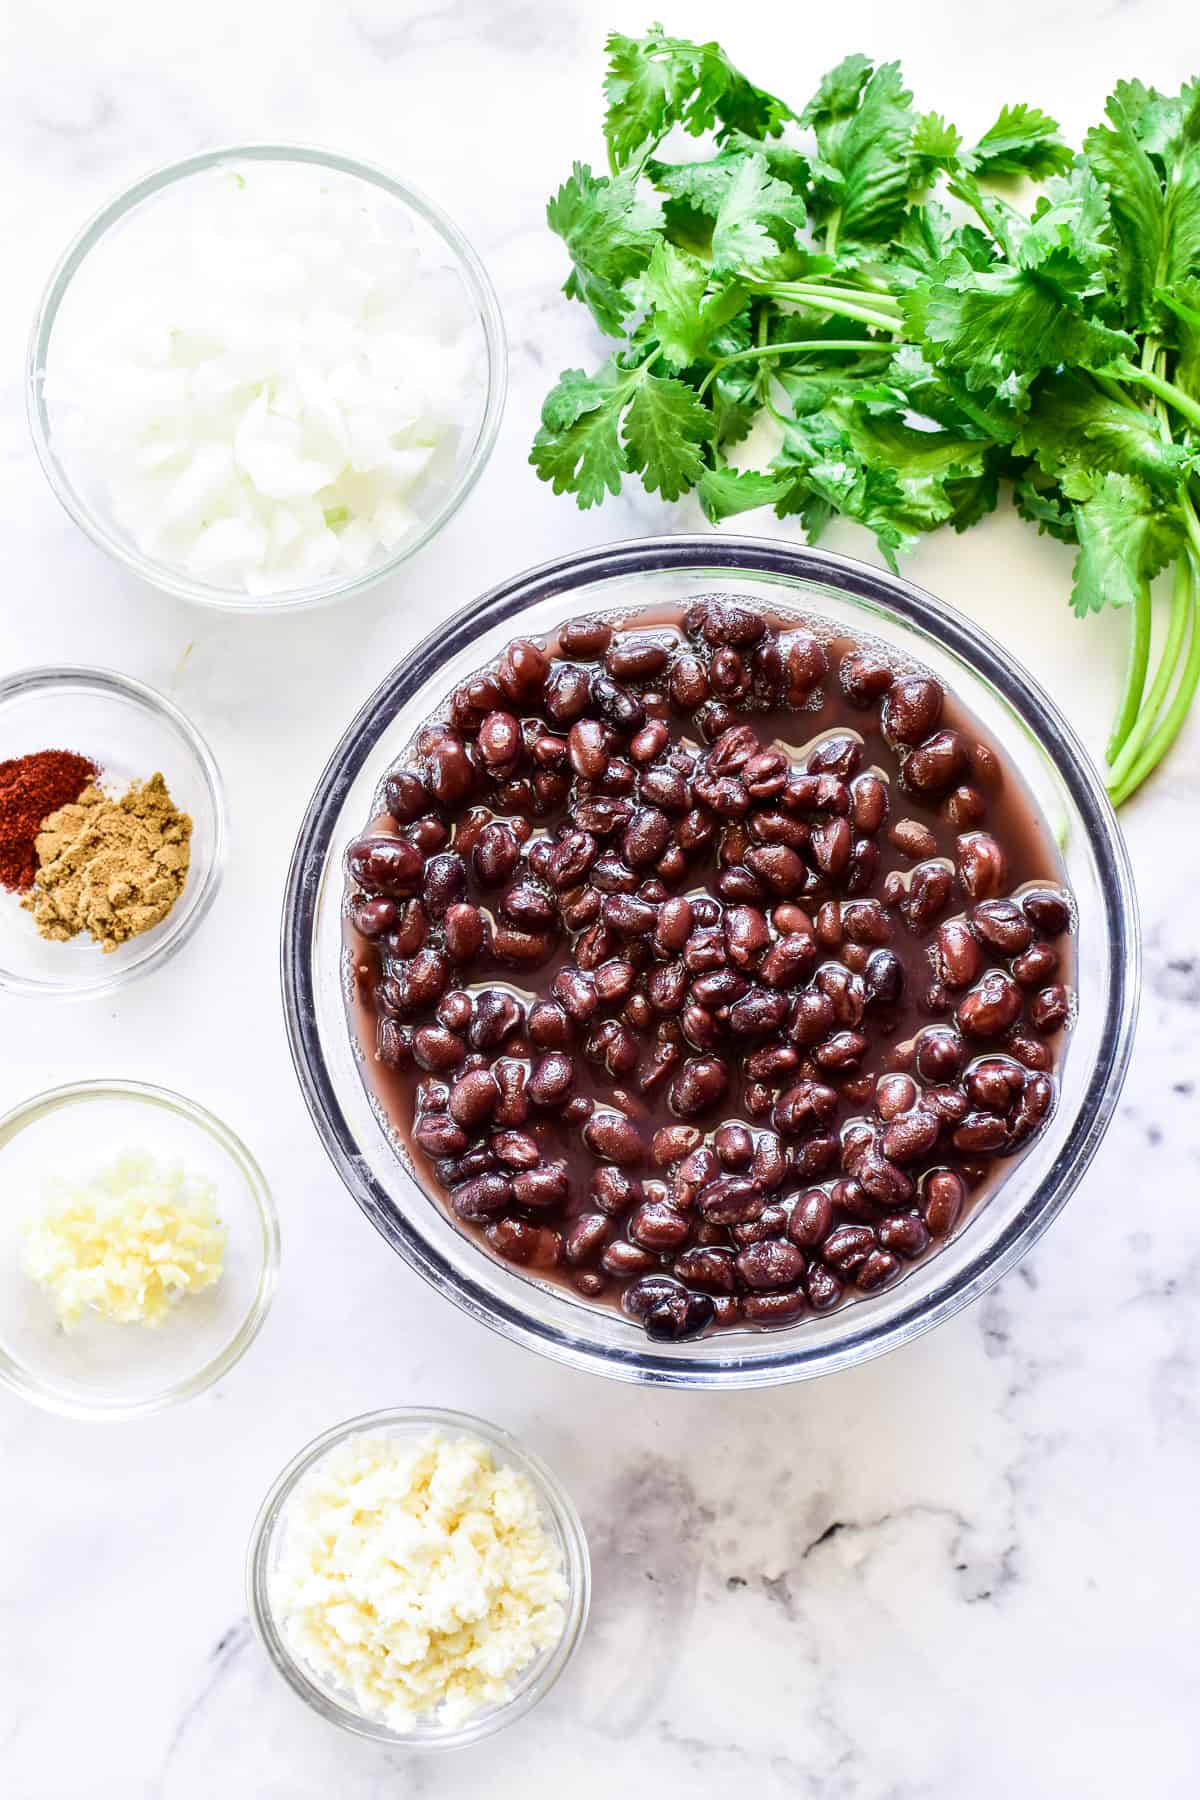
418	1577
264	376
138	1249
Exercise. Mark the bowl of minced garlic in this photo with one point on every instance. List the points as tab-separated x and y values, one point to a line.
138	1249
419	1578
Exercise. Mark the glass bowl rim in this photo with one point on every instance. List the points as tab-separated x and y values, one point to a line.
176	582
714	556
127	687
554	1497
18	1379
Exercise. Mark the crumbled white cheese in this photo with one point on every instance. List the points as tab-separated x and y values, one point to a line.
419	1575
128	1242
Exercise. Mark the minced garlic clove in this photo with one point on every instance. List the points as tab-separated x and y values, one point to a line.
126	1243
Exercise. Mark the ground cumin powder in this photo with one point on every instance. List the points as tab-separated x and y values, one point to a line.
111	867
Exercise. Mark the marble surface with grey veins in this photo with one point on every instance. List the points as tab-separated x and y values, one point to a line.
966	1570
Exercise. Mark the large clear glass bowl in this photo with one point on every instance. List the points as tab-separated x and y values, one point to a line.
80	485
1011	706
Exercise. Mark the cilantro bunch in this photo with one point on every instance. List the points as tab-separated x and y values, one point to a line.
851	278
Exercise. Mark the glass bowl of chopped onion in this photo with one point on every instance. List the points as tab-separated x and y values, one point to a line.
263	377
139	1249
419	1577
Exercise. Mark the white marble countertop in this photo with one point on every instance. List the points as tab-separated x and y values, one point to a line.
966	1569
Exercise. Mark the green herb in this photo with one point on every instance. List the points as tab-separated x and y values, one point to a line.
853	278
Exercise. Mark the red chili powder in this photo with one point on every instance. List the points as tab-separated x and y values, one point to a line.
31	788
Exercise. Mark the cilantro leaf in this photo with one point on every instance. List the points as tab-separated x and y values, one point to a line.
756	213
1136	205
942	477
673	286
704	185
927	237
1023	141
735	402
870	495
1125	538
1152	117
682	318
869	152
1005	326
646	91
1181	258
1001	221
578	448
811	392
1067	240
1071	423
656	81
923	241
609	228
725	492
934	146
1164	123
889	477
1043	505
734	395
942	396
701	186
839	91
1156	225
666	427
783	160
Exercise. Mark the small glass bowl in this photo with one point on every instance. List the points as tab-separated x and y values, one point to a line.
79	488
132	732
559	1514
100	1369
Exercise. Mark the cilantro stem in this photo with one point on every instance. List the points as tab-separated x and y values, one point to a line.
1175	714
1191	522
1165	390
1167	664
831	290
840	302
800	344
1137	664
1116	392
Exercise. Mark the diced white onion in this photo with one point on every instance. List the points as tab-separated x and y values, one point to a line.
268	374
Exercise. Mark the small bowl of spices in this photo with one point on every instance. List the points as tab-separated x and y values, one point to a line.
139	1248
111	830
